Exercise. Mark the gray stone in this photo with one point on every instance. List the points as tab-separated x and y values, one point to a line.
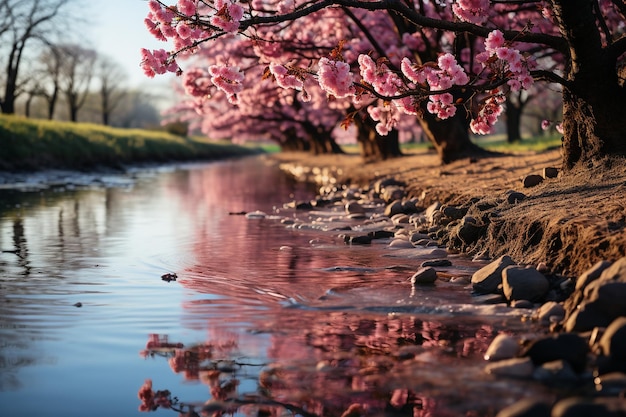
526	408
392	193
436	262
550	312
526	283
503	346
354	207
532	180
613	383
587	407
516	367
454	213
487	279
515	197
550	172
555	371
416	237
613	341
393	208
424	276
400	243
569	347
591	274
431	210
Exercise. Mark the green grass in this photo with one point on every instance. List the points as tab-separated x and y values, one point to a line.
534	144
29	144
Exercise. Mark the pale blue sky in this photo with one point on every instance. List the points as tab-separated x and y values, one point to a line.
116	29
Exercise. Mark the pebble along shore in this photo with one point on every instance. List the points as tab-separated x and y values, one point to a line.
583	347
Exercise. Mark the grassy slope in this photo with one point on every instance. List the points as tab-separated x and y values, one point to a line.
27	144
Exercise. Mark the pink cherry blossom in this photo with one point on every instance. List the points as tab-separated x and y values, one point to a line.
473	11
187	7
494	40
228	79
283	78
335	77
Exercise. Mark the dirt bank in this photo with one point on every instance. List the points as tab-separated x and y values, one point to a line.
569	222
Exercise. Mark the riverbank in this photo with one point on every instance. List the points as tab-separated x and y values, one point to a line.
569	222
555	244
32	145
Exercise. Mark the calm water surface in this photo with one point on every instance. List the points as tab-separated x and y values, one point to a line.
258	310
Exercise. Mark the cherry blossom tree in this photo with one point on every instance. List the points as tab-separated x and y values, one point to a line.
481	57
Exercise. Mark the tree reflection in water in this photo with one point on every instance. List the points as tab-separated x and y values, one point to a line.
338	365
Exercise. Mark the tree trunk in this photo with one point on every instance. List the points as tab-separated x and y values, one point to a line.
513	119
292	142
450	137
373	146
594	101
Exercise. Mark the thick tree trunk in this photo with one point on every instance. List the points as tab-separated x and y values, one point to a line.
373	146
514	119
450	137
594	101
322	141
292	142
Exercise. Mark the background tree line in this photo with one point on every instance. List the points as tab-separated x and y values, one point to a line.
44	73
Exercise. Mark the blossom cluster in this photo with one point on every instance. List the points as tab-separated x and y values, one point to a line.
335	77
505	62
151	400
473	11
228	79
157	61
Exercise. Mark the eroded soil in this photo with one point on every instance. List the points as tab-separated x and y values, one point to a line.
569	222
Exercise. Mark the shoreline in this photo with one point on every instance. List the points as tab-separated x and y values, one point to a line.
573	221
568	223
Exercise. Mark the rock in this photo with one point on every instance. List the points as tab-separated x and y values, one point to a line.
400	218
611	384
353	207
454	213
613	341
256	215
524	283
591	274
569	347
550	172
424	276
304	205
430	211
392	193
436	262
550	312
487	279
400	243
381	234
381	184
503	346
358	240
586	407
532	180
522	304
469	232
515	197
416	237
394	208
488	299
526	408
516	367
556	371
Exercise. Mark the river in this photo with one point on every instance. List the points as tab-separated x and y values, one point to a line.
116	279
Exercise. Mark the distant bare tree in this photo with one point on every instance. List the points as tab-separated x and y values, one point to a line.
20	22
77	70
111	77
